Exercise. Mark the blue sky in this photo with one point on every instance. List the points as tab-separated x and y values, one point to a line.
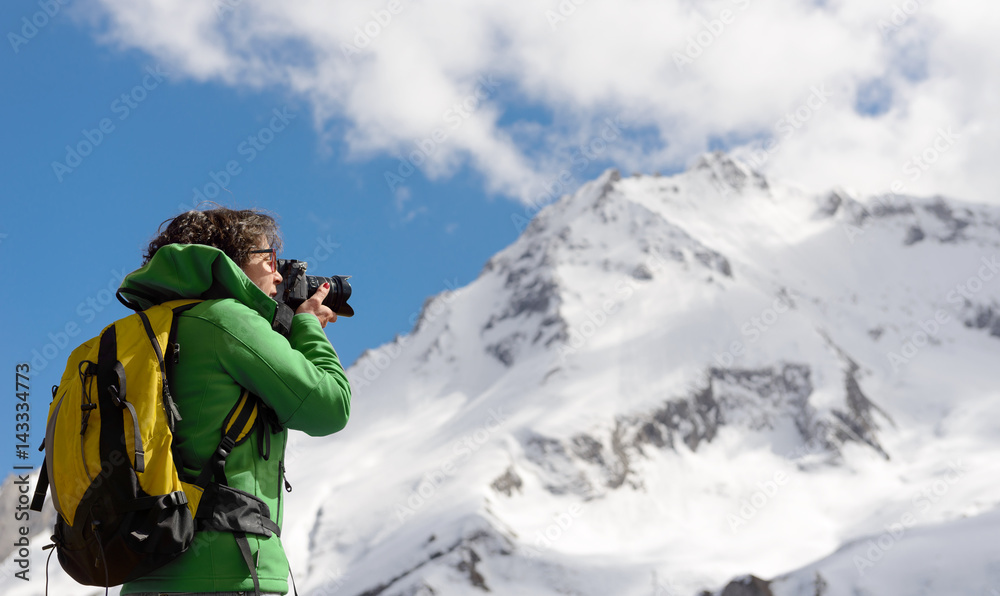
118	113
71	232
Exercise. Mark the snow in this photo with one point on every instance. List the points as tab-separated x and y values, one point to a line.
659	371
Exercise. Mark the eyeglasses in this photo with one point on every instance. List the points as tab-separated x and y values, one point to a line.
272	257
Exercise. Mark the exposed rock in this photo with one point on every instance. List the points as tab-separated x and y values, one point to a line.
858	422
829	205
982	316
756	399
468	565
504	349
747	586
860	415
730	172
460	555
507	482
889	206
940	209
560	472
913	235
642	273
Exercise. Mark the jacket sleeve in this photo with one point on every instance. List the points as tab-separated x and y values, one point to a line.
301	377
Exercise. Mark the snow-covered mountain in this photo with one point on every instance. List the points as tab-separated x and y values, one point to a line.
667	384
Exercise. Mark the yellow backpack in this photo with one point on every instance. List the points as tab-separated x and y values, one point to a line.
123	509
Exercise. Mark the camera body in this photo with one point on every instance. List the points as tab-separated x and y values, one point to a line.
296	287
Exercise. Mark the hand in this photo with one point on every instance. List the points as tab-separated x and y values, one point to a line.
314	306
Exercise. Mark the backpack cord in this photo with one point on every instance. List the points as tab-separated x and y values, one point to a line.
292	575
104	561
47	559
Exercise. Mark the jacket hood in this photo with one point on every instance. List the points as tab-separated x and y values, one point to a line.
179	271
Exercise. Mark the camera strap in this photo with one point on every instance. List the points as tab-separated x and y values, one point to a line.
283	319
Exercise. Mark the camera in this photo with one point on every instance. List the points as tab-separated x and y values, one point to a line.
296	287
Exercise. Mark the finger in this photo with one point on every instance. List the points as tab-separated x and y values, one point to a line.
320	294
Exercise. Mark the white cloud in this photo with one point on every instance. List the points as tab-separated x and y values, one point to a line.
394	76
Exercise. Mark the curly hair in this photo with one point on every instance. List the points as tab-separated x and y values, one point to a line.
234	232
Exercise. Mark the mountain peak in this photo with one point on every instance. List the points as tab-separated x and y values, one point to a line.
708	359
728	171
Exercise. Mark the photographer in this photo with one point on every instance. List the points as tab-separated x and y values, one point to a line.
227	343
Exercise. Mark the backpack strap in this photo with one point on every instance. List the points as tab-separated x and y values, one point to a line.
173	415
40	488
119	398
112	431
282	322
223	508
229	509
172	345
238	424
244	544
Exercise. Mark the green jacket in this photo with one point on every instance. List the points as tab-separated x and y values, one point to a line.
227	343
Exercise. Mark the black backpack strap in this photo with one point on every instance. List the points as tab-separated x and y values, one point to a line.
41	488
235	430
172	345
112	432
244	544
226	509
282	322
239	513
173	357
267	425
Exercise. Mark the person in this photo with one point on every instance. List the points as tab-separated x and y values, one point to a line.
227	344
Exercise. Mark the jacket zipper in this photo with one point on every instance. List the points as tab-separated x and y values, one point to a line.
281	474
